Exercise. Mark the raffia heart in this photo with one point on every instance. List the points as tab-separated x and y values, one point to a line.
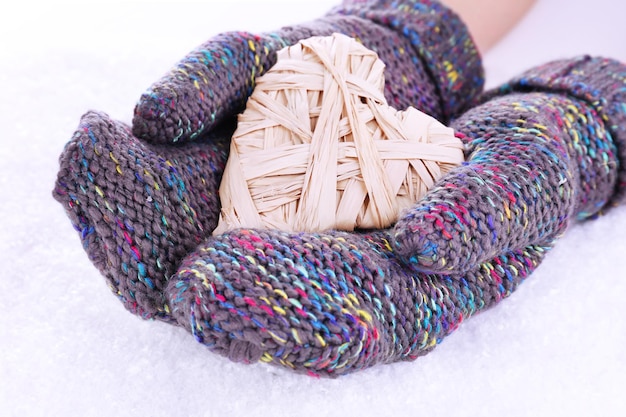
319	148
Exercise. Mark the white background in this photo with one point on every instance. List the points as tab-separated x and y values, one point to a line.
67	346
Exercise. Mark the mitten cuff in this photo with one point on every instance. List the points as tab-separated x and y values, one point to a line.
601	82
441	40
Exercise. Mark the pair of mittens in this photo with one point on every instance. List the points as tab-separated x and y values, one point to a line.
541	151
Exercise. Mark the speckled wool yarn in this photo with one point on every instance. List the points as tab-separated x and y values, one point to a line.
327	304
333	303
138	208
521	186
432	64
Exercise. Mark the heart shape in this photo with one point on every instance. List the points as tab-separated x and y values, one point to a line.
319	148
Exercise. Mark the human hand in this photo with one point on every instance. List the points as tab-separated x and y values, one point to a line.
543	150
536	163
141	202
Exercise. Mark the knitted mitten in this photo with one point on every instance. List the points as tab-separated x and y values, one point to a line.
546	147
432	64
328	303
139	207
536	161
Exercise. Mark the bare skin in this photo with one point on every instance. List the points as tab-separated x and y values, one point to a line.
490	20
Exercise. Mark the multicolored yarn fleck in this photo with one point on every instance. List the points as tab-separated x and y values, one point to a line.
332	303
536	162
432	64
328	304
139	208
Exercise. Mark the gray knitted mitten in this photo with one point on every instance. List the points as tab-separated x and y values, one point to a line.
542	150
140	206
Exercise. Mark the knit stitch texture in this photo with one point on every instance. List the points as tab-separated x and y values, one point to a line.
138	208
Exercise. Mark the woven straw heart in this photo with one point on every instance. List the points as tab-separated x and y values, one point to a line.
318	148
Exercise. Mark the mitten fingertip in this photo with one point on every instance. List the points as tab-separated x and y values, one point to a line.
160	117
